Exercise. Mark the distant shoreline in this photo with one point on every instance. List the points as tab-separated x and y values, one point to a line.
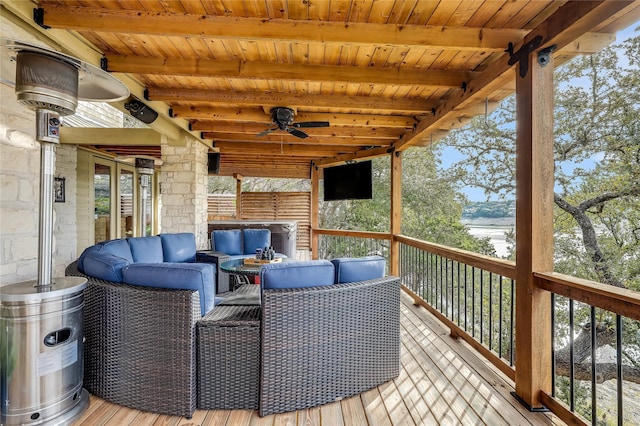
489	221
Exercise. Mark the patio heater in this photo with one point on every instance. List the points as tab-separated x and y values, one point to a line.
144	167
41	350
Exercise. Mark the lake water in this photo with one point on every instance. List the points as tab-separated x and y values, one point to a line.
496	233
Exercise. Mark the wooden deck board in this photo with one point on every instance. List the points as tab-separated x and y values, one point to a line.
442	381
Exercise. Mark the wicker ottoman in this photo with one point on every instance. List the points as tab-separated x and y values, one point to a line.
228	345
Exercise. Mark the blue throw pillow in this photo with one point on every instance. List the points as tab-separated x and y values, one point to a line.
179	247
96	262
146	249
351	269
118	248
255	239
228	241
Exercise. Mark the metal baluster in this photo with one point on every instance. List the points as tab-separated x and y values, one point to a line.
572	402
593	365
619	367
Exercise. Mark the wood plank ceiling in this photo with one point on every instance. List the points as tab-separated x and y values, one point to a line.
385	74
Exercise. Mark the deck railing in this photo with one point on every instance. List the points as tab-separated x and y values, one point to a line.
337	243
474	295
587	357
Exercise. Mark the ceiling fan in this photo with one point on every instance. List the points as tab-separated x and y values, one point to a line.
283	118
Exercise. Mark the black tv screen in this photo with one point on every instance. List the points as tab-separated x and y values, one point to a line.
348	182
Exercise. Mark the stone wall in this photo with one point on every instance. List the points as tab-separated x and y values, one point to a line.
183	189
19	191
65	230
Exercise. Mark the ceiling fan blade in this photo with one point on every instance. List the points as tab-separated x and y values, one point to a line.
311	124
266	132
298	133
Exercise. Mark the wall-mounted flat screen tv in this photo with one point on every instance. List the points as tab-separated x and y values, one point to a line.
348	182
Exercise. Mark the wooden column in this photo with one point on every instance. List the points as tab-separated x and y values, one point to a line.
315	218
534	229
238	178
396	211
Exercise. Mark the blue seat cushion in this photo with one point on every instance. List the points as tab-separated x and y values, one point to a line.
180	276
227	241
179	247
310	273
95	261
351	269
255	239
146	249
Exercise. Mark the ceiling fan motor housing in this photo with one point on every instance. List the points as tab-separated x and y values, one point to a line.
282	116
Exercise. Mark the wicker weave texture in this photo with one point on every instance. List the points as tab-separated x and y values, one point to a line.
229	358
323	344
140	348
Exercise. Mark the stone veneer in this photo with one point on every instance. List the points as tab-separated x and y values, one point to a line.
65	230
183	189
19	196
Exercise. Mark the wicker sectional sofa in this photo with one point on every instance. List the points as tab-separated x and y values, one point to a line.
308	339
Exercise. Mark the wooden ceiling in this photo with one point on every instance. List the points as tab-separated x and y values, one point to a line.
385	74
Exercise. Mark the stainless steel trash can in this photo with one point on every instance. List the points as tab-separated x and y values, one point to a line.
41	352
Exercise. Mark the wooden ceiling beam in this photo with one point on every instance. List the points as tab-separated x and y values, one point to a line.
568	23
215	127
283	137
273	99
254	115
267	171
285	149
285	72
278	30
363	154
109	136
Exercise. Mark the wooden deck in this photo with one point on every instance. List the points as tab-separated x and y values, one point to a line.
442	381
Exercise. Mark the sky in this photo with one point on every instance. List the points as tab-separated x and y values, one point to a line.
451	155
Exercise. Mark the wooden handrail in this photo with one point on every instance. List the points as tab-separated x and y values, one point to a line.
506	268
614	299
356	234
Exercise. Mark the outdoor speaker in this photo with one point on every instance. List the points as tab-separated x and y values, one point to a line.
214	163
141	111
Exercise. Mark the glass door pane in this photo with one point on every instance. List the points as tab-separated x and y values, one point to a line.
146	204
127	186
102	202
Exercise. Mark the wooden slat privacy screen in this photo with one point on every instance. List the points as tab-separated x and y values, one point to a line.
281	206
221	206
267	206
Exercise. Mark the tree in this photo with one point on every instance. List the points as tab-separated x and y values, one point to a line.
597	176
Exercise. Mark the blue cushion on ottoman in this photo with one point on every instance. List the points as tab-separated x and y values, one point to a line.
229	241
181	276
179	247
351	269
255	239
310	273
146	249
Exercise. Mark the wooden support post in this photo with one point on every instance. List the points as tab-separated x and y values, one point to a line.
315	218
534	229
396	211
238	177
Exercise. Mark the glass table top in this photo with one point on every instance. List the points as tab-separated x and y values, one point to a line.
237	266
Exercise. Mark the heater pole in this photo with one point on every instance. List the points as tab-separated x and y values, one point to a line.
47	134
